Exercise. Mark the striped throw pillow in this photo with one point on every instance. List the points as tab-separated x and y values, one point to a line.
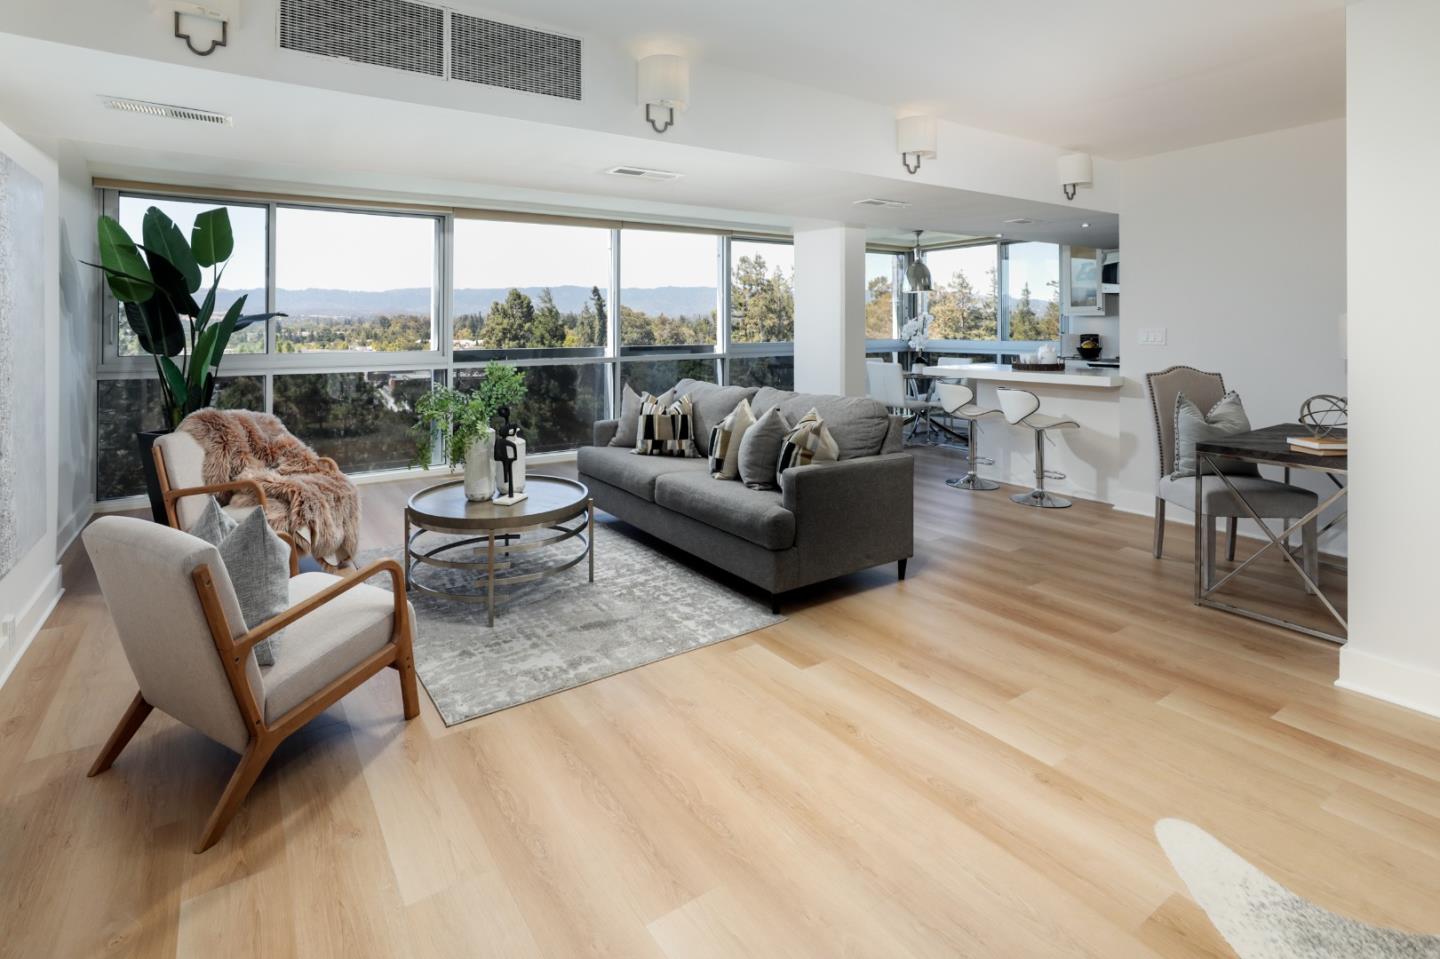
725	442
809	441
666	430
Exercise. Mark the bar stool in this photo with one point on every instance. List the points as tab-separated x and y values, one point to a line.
1022	408
958	400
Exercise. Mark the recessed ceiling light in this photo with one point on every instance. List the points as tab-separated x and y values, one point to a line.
1084	226
168	110
878	201
999	236
642	173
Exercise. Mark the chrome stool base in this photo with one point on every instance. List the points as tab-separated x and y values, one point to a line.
972	482
1041	499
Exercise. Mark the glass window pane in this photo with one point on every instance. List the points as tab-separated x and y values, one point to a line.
762	292
657	376
361	420
244	271
127	407
530	289
561	403
963	303
1032	290
667	292
880	296
354	281
775	371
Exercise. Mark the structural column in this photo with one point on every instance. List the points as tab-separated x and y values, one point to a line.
830	310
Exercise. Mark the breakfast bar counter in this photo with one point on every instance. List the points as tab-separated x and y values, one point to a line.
1081	376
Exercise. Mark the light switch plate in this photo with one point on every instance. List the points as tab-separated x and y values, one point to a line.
1152	336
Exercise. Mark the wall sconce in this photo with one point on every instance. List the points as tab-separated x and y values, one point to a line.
222	12
915	137
664	84
1076	170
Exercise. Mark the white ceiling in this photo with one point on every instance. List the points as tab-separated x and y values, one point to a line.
1119	78
287	137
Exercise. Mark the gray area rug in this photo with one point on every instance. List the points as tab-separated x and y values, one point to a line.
1261	919
564	631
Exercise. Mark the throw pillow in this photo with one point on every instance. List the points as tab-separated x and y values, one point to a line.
666	429
1226	418
809	441
628	429
760	449
725	441
258	563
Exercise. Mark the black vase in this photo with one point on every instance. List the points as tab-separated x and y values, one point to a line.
146	441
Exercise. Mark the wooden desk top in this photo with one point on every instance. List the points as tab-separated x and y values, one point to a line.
1268	445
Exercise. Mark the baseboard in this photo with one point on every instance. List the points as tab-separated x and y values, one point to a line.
72	528
1403	684
28	623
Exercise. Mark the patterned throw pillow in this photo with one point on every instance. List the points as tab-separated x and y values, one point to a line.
666	430
809	441
628	429
725	442
258	563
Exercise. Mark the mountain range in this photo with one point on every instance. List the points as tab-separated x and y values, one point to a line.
671	300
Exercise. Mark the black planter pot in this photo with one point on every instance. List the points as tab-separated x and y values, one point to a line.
145	441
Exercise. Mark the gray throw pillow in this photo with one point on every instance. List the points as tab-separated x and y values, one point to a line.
1226	418
760	450
258	563
627	431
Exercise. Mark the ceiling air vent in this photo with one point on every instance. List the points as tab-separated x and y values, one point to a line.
641	173
385	33
167	110
516	58
877	201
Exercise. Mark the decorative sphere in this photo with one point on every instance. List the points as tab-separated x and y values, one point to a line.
1323	414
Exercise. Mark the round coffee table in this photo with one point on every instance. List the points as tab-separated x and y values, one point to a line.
556	509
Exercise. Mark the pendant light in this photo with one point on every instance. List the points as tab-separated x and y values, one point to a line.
917	274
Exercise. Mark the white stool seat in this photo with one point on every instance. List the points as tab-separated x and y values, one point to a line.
1022	408
1044	421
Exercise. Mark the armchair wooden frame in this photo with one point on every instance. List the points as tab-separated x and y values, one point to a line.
265	737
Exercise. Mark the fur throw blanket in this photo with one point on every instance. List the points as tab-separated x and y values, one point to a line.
306	494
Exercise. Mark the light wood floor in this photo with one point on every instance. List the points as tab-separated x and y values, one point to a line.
969	763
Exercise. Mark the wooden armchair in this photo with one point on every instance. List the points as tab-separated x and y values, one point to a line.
180	625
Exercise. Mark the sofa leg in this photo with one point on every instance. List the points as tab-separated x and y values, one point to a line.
774	604
902	569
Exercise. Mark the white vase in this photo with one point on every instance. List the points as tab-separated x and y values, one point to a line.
519	468
480	468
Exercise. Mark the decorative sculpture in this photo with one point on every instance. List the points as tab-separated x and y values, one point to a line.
1324	413
506	453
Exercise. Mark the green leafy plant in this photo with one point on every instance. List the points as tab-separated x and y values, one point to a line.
156	282
458	418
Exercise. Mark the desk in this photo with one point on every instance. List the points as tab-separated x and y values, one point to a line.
1266	446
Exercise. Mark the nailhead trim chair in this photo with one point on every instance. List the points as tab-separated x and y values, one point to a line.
180	625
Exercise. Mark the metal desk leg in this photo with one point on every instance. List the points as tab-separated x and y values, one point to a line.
590	538
1200	585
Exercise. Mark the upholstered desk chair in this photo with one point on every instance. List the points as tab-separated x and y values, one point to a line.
958	400
1022	408
1272	500
886	382
193	658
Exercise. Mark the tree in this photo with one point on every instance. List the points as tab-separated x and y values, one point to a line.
879	309
510	323
762	304
962	314
549	328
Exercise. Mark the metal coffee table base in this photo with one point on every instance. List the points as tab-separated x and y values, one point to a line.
498	547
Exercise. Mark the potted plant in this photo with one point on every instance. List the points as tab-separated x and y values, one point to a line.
155	283
460	421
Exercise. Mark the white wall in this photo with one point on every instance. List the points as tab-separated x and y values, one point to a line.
30	589
1394	156
79	338
830	310
1237	249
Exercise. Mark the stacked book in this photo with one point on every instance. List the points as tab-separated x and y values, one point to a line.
1319	445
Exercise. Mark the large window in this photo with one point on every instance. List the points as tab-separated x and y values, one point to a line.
530	289
762	292
244	273
1032	290
668	297
562	403
880	273
361	420
354	281
964	299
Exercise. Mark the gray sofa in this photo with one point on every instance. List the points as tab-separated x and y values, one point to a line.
829	519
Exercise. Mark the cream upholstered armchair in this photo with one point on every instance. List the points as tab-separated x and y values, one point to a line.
193	658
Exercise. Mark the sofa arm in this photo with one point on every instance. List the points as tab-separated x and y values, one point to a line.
864	507
605	431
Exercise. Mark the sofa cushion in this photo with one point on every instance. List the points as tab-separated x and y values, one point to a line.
634	474
760	450
711	404
858	423
754	515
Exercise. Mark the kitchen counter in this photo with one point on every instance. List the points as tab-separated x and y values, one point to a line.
1082	376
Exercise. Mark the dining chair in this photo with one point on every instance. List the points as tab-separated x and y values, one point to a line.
193	657
886	383
1270	499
